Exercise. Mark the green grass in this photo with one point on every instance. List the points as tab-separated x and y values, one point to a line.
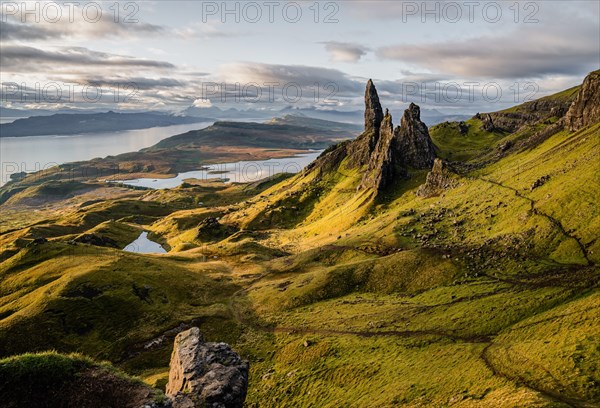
52	379
338	298
454	146
102	301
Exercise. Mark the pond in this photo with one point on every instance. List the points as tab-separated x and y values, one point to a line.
142	245
234	172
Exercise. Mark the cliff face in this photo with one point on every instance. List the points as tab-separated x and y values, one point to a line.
386	153
585	110
529	113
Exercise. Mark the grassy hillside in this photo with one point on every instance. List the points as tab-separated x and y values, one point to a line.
485	295
51	379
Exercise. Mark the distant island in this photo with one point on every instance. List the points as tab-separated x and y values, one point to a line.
75	123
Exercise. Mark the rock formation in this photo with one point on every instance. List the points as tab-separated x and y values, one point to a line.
205	374
539	111
388	154
585	110
414	146
210	229
382	163
488	122
373	111
363	146
438	180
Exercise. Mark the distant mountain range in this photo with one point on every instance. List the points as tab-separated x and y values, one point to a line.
68	122
74	123
429	116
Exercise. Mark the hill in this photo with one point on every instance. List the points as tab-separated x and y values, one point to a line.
222	142
76	123
288	131
51	379
412	266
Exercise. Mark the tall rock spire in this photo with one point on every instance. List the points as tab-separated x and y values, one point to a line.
362	148
373	110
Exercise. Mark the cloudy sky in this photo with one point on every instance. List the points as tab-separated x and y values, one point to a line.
454	56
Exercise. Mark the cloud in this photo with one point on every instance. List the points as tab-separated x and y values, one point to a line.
208	30
520	55
19	59
71	24
202	103
527	52
442	11
302	75
345	52
19	31
139	83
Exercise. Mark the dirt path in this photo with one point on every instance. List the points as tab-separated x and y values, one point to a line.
551	395
557	223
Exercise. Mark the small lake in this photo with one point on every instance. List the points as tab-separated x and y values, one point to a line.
33	153
234	172
142	245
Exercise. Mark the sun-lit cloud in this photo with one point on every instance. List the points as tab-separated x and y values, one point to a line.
522	53
170	55
69	23
202	103
17	58
345	52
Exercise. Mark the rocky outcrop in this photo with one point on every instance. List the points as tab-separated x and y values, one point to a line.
210	229
207	375
394	151
487	122
527	114
585	110
388	154
413	143
438	180
382	163
97	240
359	151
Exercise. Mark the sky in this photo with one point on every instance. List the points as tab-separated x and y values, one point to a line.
454	56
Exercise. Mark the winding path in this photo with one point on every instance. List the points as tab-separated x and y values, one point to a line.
550	218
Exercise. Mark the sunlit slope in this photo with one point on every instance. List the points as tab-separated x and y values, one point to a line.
101	301
484	295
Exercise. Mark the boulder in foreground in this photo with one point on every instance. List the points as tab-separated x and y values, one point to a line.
205	374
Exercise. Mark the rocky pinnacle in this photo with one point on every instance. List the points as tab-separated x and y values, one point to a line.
373	110
413	143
